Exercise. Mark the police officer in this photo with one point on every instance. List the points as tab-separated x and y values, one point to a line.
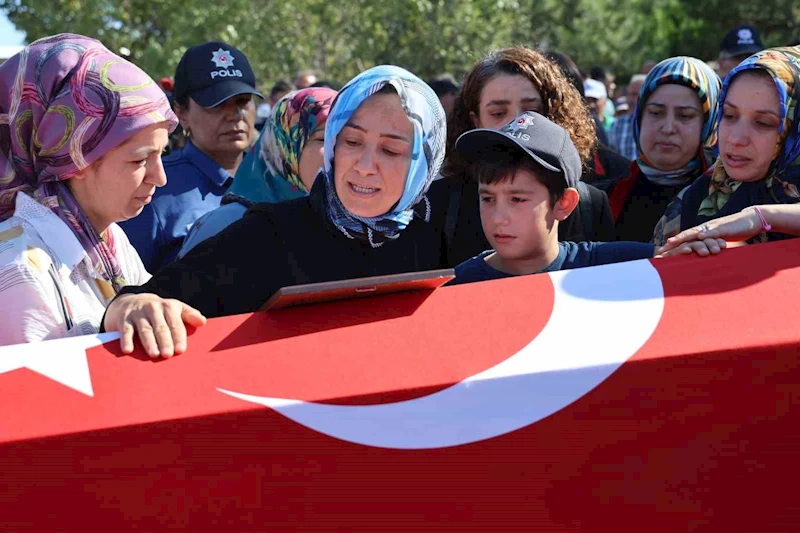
739	44
213	98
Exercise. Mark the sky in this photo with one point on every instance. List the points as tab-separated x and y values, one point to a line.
9	33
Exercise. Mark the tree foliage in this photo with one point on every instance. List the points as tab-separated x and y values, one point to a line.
340	38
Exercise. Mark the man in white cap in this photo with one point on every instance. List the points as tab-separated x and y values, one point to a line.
596	97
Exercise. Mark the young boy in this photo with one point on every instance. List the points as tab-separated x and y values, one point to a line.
527	173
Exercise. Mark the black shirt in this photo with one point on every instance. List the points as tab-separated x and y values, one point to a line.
278	245
644	207
605	169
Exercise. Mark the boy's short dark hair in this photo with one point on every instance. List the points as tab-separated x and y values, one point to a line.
505	168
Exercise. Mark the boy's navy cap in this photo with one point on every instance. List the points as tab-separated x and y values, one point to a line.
741	40
546	142
210	73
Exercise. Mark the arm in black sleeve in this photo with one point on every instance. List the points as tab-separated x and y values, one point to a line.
234	272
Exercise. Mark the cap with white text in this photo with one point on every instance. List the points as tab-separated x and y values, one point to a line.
213	72
742	40
532	134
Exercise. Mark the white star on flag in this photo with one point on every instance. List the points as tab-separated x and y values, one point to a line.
62	360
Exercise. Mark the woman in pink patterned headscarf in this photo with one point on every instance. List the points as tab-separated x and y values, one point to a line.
81	135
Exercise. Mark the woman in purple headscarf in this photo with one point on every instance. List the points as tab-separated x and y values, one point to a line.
81	136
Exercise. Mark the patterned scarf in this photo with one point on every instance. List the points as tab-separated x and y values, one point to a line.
270	171
699	77
423	109
67	102
783	177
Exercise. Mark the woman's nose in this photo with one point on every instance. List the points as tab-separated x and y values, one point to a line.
365	164
156	174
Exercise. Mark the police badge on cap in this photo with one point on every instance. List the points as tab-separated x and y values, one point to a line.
213	72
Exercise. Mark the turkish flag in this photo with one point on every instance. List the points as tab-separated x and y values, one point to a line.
646	396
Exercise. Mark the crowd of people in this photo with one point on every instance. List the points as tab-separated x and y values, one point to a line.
141	207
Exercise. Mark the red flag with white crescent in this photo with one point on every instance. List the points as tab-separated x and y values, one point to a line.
652	395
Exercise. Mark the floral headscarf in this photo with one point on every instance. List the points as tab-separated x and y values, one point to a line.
719	195
783	177
271	170
67	102
699	77
423	109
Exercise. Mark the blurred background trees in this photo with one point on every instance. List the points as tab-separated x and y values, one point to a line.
429	37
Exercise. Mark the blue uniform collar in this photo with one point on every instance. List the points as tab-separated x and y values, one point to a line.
207	166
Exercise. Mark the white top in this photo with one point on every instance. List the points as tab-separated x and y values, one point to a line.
48	286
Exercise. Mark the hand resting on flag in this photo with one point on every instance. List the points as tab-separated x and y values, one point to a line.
715	235
159	322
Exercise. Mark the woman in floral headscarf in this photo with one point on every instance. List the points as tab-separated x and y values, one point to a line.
278	167
81	135
367	214
674	127
759	146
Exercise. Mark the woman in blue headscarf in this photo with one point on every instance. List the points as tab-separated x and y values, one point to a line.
367	214
675	129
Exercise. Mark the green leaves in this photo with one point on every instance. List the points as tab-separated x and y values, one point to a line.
341	38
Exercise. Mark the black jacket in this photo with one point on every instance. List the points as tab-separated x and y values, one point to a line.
638	204
605	169
278	245
456	211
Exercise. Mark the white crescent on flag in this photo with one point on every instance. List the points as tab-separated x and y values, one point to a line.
601	317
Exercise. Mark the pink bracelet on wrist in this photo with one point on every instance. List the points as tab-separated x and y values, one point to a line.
764	224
